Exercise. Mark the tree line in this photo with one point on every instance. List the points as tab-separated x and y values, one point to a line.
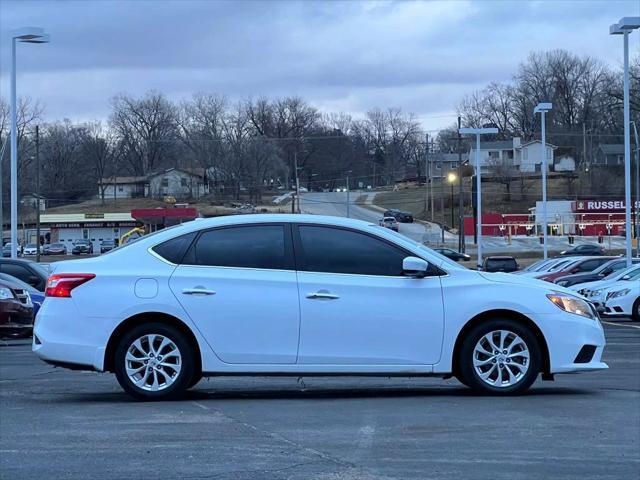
254	145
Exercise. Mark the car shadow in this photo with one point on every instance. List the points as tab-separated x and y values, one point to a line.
208	393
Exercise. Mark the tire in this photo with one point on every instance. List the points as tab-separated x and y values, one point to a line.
506	374
635	313
169	377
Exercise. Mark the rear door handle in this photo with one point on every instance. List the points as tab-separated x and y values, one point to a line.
322	295
197	291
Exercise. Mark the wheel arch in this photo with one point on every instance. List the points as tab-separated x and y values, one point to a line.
147	317
502	314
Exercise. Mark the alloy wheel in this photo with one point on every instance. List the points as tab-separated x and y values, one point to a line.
153	362
501	358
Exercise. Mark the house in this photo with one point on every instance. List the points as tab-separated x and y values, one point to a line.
609	154
122	187
525	157
31	200
178	183
439	164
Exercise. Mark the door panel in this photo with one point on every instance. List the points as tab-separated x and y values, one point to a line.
253	317
373	320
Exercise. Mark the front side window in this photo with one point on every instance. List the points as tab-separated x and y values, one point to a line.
334	250
252	246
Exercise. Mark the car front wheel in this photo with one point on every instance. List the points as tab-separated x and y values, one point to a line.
499	356
154	361
636	311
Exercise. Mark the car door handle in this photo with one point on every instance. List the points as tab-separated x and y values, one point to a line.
197	291
322	295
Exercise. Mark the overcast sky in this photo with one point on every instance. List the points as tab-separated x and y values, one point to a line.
339	55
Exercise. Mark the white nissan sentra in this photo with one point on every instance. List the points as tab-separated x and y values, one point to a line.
305	295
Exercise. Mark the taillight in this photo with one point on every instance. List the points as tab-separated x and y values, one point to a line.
61	284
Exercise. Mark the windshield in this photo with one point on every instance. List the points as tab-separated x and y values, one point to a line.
430	251
632	270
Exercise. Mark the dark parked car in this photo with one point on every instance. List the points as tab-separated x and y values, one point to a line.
500	264
107	245
16	311
452	254
581	265
82	246
399	215
586	250
26	270
37	297
599	273
55	249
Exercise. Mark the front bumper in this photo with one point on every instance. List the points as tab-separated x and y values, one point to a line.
16	319
566	335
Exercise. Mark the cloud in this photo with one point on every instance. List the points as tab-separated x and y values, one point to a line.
352	56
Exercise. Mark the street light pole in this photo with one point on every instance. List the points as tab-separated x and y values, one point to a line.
624	27
543	108
477	132
25	35
461	245
37	194
348	190
637	199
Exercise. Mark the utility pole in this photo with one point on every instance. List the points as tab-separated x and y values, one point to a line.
295	169
4	145
442	194
37	194
461	246
426	174
348	189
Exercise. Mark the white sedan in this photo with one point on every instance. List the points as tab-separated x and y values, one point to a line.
305	295
623	300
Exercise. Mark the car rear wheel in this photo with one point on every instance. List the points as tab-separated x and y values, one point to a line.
154	361
499	357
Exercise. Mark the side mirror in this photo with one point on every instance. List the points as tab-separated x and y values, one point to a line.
626	277
414	267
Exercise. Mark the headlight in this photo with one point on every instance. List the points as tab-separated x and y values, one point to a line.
5	293
570	304
619	293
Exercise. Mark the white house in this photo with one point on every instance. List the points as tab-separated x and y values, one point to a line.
178	183
122	187
525	157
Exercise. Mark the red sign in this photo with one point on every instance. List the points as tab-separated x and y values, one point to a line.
600	205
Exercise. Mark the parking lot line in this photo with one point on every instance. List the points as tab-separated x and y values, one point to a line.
621	325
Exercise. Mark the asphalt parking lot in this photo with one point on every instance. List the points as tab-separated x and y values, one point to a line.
60	424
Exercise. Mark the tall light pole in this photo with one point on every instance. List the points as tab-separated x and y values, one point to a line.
452	177
624	27
477	132
636	204
23	35
543	108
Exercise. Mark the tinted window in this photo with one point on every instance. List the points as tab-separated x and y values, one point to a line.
335	250
589	265
17	271
252	246
501	264
173	250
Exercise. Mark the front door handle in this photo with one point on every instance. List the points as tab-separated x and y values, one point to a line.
322	294
197	291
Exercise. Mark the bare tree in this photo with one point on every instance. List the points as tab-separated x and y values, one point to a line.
99	148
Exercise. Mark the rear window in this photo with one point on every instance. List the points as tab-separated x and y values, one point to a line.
501	264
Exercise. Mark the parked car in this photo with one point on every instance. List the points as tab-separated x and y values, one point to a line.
399	215
500	264
37	297
583	265
585	250
107	245
599	273
389	222
6	250
31	249
56	249
16	311
452	254
82	246
28	271
538	268
623	301
595	292
232	295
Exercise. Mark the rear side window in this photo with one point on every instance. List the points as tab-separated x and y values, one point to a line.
17	271
335	250
173	250
252	246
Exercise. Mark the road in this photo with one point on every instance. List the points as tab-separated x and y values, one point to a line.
61	424
335	204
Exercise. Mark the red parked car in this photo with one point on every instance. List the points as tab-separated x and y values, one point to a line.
16	311
583	265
